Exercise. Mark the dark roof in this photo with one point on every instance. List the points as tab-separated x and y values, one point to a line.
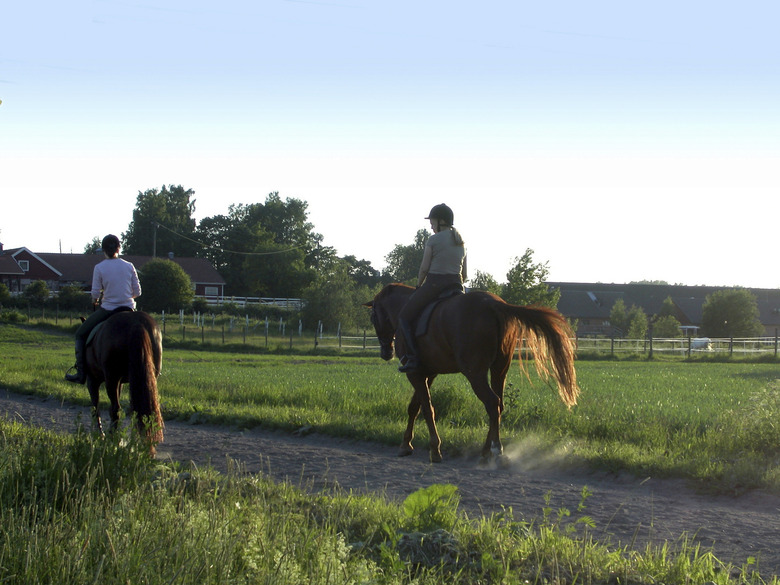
595	300
199	270
8	266
79	267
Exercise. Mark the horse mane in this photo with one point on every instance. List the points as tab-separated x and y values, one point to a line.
393	288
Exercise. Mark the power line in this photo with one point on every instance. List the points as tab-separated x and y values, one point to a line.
206	247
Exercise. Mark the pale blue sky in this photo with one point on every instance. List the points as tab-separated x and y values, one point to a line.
599	134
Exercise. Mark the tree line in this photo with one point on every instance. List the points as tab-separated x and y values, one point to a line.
270	249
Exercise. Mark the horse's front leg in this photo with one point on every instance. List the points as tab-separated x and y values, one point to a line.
422	398
413	410
94	393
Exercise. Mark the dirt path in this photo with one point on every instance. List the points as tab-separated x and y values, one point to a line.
625	509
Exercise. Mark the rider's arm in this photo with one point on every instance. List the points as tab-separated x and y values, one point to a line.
425	265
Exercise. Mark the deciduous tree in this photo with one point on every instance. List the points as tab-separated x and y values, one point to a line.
403	262
162	223
164	286
526	283
731	313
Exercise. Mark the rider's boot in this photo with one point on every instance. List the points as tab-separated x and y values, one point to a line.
410	360
78	377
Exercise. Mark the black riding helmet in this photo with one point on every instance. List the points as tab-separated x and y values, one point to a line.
442	213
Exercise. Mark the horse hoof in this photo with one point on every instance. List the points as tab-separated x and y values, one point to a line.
405	452
436	458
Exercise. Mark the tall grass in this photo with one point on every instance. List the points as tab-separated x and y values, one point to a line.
710	422
79	510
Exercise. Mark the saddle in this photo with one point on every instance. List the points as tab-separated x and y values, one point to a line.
97	327
421	327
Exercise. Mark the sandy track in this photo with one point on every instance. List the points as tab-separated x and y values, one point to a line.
626	509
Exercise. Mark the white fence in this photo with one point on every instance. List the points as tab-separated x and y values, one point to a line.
283	303
681	346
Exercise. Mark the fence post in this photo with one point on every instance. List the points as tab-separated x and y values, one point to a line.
689	345
651	347
223	334
731	346
364	339
612	346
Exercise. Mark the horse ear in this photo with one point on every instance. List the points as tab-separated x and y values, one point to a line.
369	304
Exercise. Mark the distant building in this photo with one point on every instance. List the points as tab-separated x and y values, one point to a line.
20	266
590	304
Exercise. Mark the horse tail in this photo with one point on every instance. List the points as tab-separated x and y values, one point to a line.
142	379
547	336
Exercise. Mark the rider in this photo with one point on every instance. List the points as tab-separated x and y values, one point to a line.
443	266
117	280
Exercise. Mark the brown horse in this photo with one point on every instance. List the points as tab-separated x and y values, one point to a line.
127	348
476	333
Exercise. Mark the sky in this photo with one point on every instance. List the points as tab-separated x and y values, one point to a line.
620	141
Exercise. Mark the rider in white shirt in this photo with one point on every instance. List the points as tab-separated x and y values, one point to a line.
117	282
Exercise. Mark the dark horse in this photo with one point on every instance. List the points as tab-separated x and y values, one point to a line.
476	333
127	348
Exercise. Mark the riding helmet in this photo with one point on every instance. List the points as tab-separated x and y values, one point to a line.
443	213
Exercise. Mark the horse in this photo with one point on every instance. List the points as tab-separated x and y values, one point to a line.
127	348
476	333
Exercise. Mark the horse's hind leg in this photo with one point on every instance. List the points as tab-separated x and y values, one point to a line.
493	407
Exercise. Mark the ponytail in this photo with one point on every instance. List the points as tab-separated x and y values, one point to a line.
456	237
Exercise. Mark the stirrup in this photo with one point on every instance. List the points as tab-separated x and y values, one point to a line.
78	377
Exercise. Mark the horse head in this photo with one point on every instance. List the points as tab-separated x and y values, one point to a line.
385	332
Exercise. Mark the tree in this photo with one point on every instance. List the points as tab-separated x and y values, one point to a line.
164	286
666	326
403	262
5	294
36	293
73	298
637	323
94	246
335	298
526	283
264	249
486	282
618	316
731	313
162	223
362	272
631	323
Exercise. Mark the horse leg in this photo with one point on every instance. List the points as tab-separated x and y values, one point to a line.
493	407
94	394
413	410
113	385
422	400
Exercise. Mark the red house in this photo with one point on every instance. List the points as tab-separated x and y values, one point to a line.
19	267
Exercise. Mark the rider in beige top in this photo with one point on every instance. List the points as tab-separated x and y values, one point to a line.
443	266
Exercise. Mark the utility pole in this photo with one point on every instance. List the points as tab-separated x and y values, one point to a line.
154	239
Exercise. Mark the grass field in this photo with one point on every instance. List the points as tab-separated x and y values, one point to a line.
709	421
74	510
